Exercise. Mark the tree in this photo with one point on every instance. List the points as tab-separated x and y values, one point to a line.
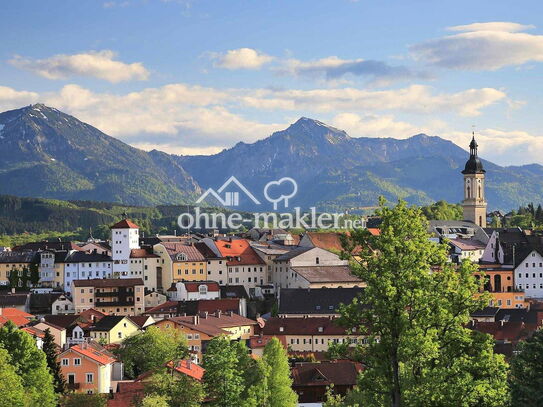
11	386
257	392
13	278
84	400
419	352
155	400
178	390
279	380
151	350
526	372
50	350
34	275
224	382
30	364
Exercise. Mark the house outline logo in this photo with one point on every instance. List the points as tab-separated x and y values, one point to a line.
230	198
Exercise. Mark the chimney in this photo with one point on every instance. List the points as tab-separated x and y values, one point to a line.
195	319
218	313
501	322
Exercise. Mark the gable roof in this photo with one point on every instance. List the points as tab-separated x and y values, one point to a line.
189	250
35	246
108	282
19	257
125	224
238	252
234	291
302	326
316	300
109	322
140	320
293	253
213	324
84	257
14	312
193	286
141	254
63	321
326	240
322	274
7	300
101	357
340	373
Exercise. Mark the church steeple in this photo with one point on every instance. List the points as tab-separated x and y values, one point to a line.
474	203
474	164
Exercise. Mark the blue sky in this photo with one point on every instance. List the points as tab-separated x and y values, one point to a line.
193	77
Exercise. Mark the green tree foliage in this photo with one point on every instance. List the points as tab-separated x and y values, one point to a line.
279	380
34	275
419	353
11	385
177	390
442	210
155	400
84	400
151	349
29	363
527	372
50	350
13	278
224	382
257	391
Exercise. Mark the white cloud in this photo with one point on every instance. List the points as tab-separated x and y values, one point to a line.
95	64
180	117
492	26
241	58
14	99
482	46
414	98
378	72
373	125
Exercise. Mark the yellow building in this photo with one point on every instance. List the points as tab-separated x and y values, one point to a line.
113	329
187	263
199	329
15	261
116	296
309	334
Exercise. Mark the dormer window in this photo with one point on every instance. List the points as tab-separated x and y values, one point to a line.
202	289
281	329
320	329
181	257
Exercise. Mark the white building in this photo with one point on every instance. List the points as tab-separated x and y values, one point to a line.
84	266
124	238
216	263
529	275
194	290
306	267
62	305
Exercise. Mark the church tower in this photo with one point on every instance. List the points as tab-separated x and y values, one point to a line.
474	203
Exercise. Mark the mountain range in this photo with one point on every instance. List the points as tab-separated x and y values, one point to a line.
47	153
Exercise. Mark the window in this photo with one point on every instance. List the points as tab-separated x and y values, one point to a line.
77	362
90	377
65	362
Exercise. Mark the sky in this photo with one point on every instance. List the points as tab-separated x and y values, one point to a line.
196	76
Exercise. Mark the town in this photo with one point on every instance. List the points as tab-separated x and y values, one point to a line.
91	298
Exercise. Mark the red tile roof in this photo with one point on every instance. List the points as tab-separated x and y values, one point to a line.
224	305
34	331
326	274
192	286
127	394
212	324
125	224
374	231
238	252
14	312
168	306
92	353
19	321
141	254
189	250
188	368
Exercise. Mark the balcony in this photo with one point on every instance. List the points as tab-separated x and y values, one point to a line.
114	303
107	294
73	386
